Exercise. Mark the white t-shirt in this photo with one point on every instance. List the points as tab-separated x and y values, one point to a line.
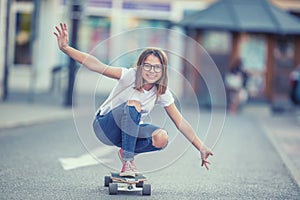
124	91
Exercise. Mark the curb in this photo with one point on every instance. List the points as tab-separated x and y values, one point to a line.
287	161
30	122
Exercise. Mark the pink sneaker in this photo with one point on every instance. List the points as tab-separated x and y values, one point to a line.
127	169
133	167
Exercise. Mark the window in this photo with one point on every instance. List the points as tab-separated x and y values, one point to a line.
22	54
216	42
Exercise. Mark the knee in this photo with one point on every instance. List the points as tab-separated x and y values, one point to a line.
136	104
160	138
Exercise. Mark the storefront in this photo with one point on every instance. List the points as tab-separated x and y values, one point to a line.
267	43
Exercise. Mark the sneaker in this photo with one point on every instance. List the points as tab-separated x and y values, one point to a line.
133	166
127	169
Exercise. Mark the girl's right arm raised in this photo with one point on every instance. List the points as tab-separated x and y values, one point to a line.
87	60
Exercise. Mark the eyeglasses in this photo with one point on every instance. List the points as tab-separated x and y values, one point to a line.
148	67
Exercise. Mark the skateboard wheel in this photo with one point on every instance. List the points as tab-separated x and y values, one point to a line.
107	181
146	189
113	188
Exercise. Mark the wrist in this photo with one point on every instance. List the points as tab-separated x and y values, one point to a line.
202	146
203	149
64	48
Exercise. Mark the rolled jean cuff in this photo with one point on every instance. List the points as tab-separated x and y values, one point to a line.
127	156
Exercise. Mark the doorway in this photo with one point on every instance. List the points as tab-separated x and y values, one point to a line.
20	45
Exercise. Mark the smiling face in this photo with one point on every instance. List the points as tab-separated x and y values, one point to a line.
152	70
151	77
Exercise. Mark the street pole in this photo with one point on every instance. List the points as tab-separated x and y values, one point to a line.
34	26
6	67
75	17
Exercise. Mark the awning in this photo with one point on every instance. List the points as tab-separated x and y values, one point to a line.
244	16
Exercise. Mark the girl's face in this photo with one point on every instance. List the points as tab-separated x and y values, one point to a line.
152	69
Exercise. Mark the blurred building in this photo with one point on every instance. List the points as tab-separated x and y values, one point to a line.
26	34
29	52
32	51
266	41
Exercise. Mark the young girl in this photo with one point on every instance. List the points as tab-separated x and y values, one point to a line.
119	120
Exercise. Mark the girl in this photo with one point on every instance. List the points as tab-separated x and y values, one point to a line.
119	120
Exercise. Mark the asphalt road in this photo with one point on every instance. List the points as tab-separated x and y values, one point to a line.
245	166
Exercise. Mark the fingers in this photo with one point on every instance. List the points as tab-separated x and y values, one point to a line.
205	164
58	30
206	154
65	27
63	30
209	154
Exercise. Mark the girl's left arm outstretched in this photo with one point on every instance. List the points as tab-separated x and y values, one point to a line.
184	127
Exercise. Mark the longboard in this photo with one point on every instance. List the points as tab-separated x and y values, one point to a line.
116	183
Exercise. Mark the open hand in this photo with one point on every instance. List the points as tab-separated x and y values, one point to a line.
62	36
204	155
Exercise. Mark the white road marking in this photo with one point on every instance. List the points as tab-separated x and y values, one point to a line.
85	160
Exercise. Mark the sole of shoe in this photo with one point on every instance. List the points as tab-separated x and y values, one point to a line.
130	174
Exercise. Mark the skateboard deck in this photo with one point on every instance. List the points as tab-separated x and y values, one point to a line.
128	179
116	183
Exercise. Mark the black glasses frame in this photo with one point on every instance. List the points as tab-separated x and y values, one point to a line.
149	67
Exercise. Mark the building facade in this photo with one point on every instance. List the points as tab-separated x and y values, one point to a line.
32	52
32	49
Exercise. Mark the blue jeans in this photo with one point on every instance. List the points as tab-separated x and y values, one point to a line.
120	127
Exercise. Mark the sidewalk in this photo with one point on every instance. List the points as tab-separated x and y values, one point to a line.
23	114
20	110
283	132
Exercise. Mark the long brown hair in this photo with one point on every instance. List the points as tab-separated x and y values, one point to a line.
162	83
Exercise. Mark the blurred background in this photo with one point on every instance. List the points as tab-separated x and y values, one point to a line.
267	43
